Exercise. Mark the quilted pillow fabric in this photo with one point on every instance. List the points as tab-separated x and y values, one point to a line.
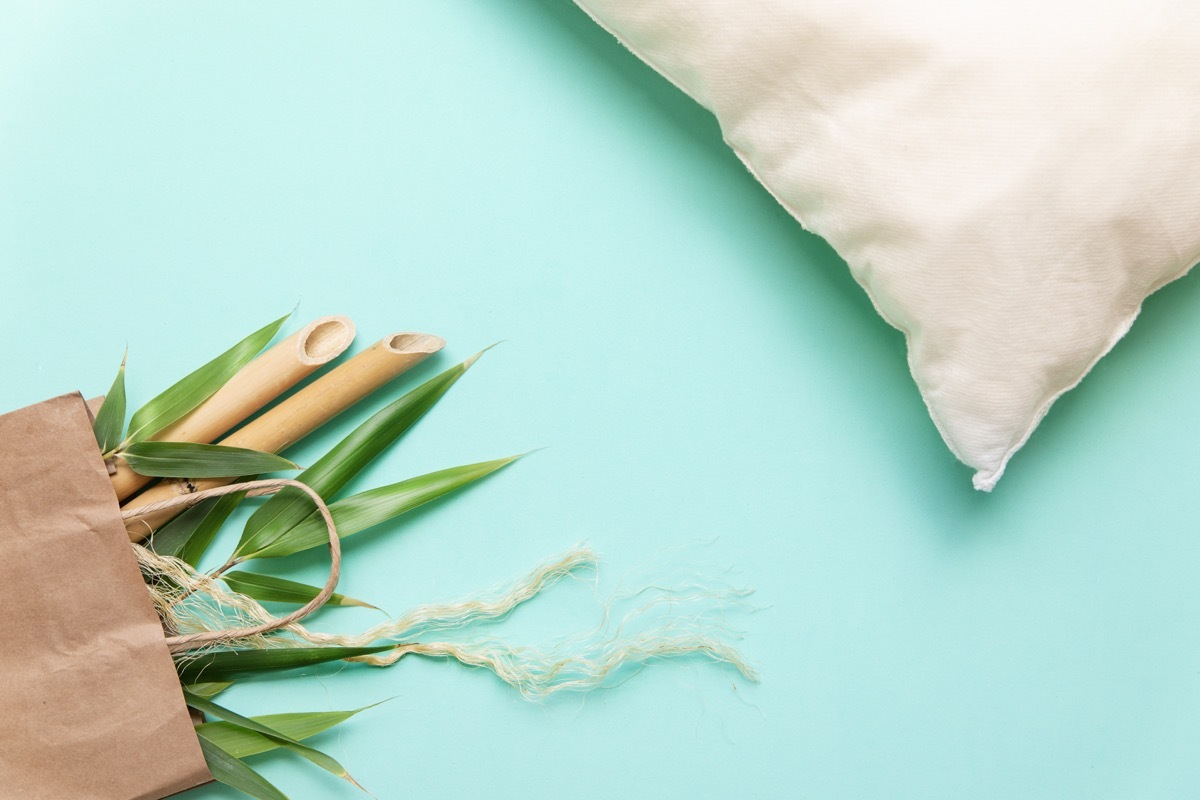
1008	181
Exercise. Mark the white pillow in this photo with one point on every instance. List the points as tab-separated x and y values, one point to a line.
1008	181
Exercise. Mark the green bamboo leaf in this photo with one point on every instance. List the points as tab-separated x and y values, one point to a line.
242	742
369	508
347	458
322	760
188	536
192	460
229	665
230	771
211	690
110	419
268	588
197	387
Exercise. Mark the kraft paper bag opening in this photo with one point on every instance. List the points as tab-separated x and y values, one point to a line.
90	705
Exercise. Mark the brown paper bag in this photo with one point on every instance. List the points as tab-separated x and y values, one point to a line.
90	706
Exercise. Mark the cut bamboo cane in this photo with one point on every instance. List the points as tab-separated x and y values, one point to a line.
332	394
258	383
299	415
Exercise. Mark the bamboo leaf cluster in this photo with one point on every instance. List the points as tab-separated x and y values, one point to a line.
233	738
281	526
183	459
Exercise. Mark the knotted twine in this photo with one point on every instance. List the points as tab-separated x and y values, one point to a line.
181	644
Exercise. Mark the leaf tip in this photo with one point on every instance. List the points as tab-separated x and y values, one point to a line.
467	364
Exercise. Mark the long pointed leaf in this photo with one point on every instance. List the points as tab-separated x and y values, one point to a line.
322	760
241	742
229	665
369	508
270	589
188	536
210	690
110	419
347	458
230	771
191	391
191	460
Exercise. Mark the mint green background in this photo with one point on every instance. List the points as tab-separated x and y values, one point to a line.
710	383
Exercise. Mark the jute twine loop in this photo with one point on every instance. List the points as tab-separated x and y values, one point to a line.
179	644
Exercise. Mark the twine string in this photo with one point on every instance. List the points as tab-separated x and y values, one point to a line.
178	644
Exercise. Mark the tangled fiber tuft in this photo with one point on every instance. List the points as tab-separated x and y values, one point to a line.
672	623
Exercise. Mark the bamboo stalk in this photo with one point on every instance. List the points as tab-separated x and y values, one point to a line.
258	383
298	416
332	394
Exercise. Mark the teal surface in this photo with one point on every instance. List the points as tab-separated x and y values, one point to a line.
709	383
